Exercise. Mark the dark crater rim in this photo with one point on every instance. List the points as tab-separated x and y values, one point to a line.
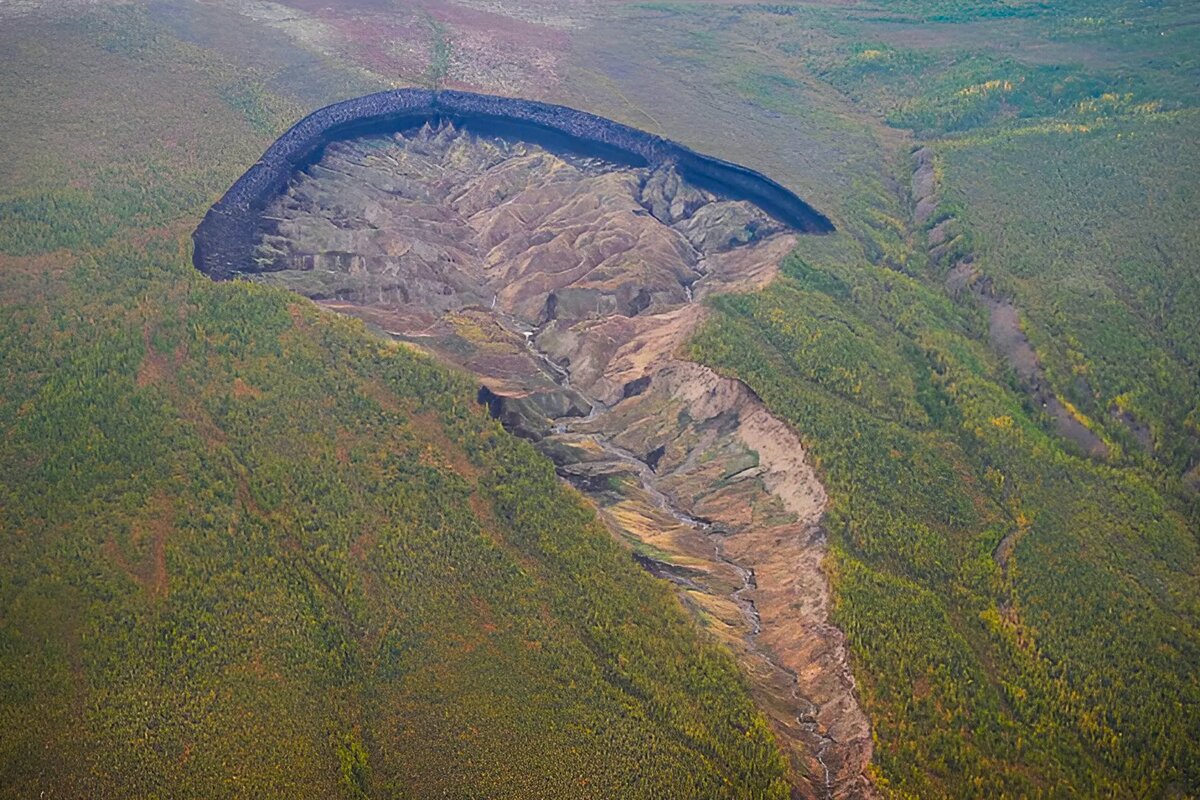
226	237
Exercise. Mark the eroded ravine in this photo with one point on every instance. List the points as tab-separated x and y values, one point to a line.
1005	332
569	285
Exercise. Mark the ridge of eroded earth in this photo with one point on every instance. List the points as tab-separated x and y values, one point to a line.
567	285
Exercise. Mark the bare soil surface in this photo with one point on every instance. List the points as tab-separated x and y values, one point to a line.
568	285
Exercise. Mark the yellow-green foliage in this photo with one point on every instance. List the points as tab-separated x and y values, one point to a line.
259	444
1064	136
249	550
235	527
1071	671
1099	261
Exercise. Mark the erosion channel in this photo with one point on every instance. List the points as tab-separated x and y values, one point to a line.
568	283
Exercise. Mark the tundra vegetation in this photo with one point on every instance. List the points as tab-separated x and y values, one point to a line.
1023	617
221	509
251	549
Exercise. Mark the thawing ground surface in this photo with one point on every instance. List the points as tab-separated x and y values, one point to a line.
568	285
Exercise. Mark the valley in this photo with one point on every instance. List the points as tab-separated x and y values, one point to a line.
918	464
568	286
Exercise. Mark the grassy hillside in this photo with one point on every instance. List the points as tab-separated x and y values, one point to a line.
1064	169
249	549
1100	253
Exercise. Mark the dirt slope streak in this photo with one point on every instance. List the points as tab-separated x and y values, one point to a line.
1004	324
568	283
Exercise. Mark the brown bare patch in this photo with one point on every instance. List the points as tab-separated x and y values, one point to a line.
209	431
481	508
159	524
383	396
22	277
245	499
296	312
363	544
430	430
244	391
155	368
156	524
484	612
491	528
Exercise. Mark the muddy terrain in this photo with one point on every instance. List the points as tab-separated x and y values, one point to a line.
568	284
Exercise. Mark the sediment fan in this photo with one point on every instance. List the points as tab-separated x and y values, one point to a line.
226	237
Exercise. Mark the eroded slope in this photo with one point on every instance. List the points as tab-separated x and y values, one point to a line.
567	285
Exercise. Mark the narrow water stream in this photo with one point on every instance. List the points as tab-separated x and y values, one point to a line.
568	429
808	723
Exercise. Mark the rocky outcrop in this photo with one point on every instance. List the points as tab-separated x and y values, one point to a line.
230	229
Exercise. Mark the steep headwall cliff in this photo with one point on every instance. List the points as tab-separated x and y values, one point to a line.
226	237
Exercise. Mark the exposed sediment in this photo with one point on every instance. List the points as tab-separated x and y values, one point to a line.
568	283
230	229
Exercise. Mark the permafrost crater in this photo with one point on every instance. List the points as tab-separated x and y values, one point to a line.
562	258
